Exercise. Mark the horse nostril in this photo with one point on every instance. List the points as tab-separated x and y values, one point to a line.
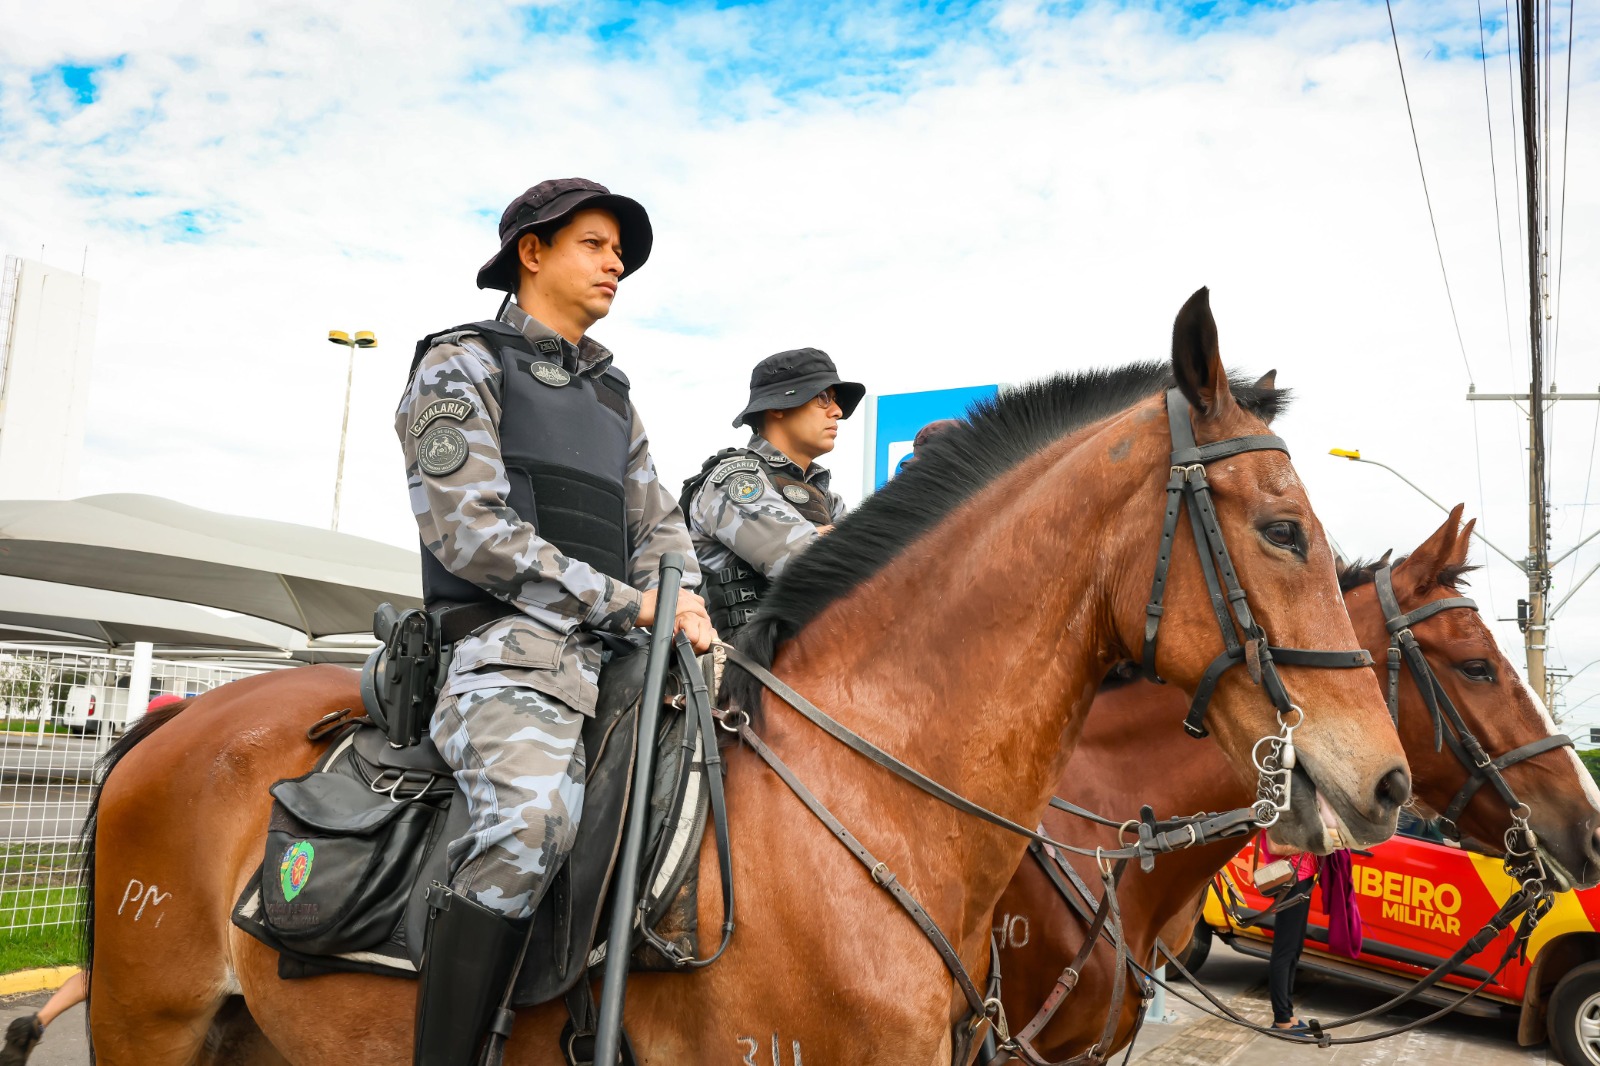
1394	788
1594	844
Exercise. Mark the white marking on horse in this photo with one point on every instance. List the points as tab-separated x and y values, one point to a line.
1013	931
147	895
748	1045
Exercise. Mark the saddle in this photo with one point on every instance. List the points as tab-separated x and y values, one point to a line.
353	847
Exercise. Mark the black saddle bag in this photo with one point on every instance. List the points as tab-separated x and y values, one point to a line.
340	855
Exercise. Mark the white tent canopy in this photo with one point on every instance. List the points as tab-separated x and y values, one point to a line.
41	612
314	581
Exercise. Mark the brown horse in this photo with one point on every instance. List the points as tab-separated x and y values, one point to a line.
961	619
1131	726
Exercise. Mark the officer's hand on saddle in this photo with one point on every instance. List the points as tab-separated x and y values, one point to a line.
692	620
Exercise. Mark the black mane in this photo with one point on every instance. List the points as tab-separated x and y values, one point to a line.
1353	575
996	435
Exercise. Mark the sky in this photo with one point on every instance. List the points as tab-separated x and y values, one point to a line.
938	194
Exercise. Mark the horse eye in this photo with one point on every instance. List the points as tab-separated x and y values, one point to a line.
1477	670
1284	535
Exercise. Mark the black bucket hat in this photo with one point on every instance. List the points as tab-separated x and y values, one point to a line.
553	201
790	379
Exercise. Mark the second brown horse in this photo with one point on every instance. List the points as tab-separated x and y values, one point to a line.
1132	724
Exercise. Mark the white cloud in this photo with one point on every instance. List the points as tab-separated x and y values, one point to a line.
1021	191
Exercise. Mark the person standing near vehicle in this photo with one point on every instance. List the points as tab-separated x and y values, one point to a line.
1288	934
543	524
752	509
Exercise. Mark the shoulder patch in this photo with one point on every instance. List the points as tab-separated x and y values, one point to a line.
442	450
743	487
456	409
731	467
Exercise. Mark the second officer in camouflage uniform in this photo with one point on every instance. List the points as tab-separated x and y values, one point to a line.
752	509
543	524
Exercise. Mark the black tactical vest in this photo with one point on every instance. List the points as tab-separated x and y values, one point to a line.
564	439
733	593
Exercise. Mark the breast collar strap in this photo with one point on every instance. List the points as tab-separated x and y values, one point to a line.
1481	769
1187	484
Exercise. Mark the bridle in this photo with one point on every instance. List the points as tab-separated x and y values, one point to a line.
1520	842
1187	484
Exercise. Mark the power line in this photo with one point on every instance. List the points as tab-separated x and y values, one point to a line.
1561	254
1505	296
1483	505
1428	198
1588	480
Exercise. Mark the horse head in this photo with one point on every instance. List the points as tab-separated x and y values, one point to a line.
1348	776
1497	708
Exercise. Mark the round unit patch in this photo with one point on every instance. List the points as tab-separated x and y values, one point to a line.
550	374
442	450
295	869
742	488
796	494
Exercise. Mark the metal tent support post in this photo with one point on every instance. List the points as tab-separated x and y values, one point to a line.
619	938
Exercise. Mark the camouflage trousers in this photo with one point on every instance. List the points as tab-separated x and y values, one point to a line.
518	755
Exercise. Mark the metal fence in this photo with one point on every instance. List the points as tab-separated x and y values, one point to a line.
60	709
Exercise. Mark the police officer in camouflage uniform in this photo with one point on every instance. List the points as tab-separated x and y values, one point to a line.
752	509
543	523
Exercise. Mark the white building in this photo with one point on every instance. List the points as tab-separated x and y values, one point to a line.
47	327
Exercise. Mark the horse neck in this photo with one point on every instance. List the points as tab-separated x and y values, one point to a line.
974	654
1134	751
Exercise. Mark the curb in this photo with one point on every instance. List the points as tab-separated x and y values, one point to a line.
51	977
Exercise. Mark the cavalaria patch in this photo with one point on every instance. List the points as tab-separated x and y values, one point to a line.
442	450
456	409
731	467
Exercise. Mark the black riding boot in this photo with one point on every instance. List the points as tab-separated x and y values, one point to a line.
466	963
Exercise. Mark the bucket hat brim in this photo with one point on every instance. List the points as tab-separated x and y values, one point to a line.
797	392
500	272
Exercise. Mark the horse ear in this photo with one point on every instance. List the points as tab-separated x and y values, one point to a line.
1196	359
1420	570
1269	380
1458	557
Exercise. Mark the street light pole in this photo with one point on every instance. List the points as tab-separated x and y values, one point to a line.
362	339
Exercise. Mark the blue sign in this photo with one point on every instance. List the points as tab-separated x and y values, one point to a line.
896	417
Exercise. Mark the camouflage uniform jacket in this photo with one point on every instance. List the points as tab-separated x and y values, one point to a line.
766	530
466	522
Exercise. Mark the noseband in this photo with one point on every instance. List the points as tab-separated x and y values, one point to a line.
1481	769
1188	484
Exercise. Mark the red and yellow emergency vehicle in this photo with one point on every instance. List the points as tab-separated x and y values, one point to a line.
1420	900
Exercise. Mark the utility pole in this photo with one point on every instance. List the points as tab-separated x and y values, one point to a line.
361	339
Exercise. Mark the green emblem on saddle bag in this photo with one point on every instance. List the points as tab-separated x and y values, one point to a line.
364	845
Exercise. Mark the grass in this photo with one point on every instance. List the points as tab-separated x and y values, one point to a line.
15	725
28	949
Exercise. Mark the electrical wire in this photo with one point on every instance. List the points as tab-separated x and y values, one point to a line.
1483	507
1499	229
1588	482
1561	253
1427	197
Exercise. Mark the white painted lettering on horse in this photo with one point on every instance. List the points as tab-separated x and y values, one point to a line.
777	1051
748	1045
130	893
1013	931
147	895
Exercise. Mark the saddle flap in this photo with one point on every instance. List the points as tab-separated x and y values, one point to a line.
332	803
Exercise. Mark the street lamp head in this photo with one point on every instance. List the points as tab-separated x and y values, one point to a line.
365	339
339	336
1345	453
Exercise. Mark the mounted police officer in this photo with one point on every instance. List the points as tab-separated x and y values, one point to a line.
752	509
542	523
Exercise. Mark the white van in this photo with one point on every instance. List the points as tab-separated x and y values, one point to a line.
92	708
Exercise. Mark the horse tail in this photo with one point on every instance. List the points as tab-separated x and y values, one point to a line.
86	839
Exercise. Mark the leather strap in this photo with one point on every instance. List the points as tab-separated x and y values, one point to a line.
881	875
